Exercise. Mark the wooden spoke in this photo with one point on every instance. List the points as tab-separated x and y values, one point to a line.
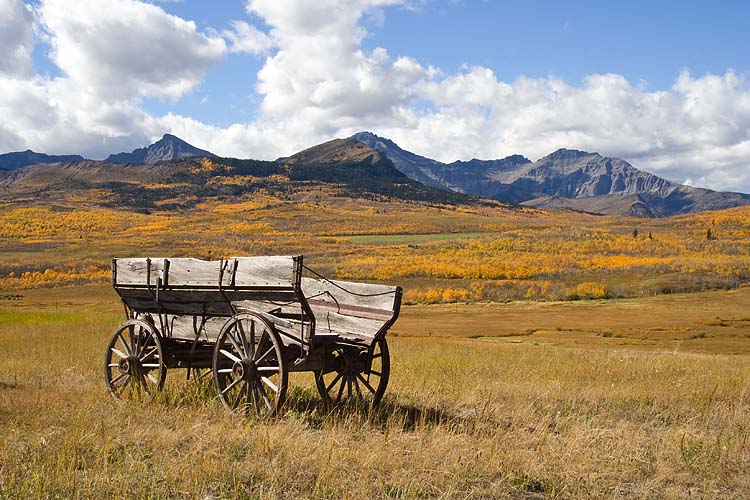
270	384
263	394
137	337
366	383
230	355
116	381
341	391
126	375
230	386
123	343
238	399
348	369
338	377
236	346
119	353
263	356
149	354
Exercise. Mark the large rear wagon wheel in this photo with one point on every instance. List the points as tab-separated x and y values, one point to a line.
355	374
134	362
249	369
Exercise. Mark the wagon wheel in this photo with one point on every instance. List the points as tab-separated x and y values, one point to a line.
134	363
348	377
249	369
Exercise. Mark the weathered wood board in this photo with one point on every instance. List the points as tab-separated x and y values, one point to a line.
236	272
365	295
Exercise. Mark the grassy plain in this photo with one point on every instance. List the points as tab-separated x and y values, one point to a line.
505	384
646	398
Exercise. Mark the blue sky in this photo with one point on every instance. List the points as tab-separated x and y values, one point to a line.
664	85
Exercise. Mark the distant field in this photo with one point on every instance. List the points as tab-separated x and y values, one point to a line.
408	239
439	253
642	398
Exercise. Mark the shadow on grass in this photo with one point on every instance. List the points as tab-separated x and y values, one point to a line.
306	404
389	413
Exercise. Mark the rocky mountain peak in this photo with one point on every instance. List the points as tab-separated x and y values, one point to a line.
564	154
169	147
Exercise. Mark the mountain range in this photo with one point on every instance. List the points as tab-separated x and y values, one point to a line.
366	163
566	178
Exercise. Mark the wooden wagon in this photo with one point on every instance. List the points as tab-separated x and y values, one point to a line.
247	322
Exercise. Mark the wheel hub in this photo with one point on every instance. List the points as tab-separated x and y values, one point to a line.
350	364
125	365
244	369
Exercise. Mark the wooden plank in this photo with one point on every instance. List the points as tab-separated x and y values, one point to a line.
323	306
330	322
193	272
366	295
273	271
149	305
270	271
182	327
134	271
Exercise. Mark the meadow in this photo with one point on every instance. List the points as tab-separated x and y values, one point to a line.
540	355
647	398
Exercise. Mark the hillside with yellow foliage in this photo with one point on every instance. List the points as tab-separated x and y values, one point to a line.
440	252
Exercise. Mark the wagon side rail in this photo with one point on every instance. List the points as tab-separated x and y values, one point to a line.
360	312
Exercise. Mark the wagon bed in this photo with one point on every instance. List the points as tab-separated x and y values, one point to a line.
191	308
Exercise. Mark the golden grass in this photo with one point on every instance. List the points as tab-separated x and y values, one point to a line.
571	414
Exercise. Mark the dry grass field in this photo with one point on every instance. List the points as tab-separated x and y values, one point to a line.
541	355
632	398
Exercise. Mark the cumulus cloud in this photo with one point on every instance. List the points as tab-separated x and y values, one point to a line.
16	38
247	38
124	48
320	80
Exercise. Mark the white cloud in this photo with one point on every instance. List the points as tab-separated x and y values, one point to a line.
247	38
125	48
16	38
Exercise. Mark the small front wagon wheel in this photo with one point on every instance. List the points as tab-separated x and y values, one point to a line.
134	363
355	374
249	368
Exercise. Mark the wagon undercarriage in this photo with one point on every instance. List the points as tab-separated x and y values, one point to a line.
246	323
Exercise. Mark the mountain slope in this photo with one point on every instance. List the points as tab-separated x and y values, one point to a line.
566	178
362	170
169	147
472	177
18	159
